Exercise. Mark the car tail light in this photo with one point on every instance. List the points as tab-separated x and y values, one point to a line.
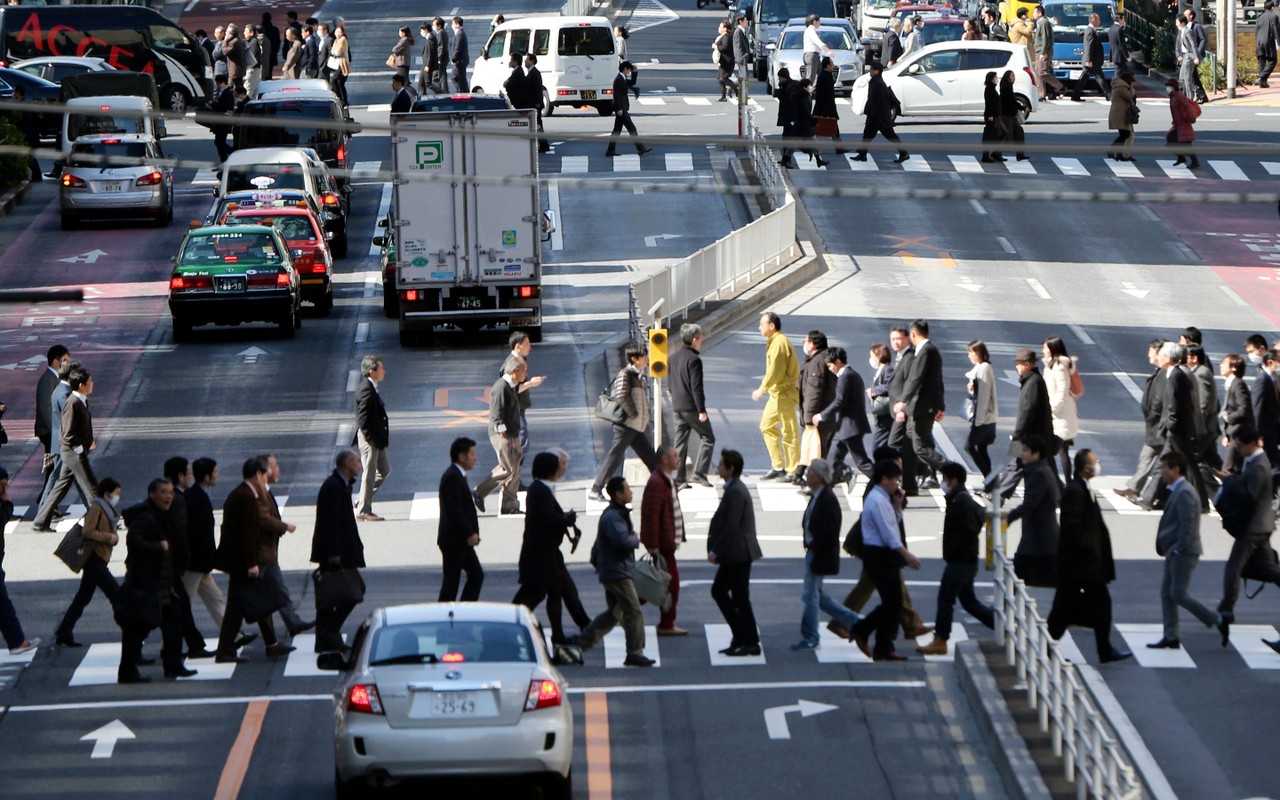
151	179
542	694
72	182
182	282
230	259
1030	74
363	697
566	92
526	292
111	141
329	199
607	91
453	658
342	154
283	279
318	266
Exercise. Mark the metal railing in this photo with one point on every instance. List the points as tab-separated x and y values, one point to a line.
728	266
1092	757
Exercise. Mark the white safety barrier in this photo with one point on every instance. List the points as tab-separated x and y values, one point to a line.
1092	757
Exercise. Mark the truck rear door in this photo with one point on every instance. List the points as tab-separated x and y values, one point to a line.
430	239
503	218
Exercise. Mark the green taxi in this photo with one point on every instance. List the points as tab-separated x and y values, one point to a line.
231	274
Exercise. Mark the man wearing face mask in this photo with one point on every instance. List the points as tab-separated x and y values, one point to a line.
1266	401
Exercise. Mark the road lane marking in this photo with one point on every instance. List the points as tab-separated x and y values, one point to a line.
917	164
101	662
615	647
1139	636
626	163
1129	385
365	170
353	380
1005	245
573	164
1081	334
362	333
1271	167
596	734
679	162
344	435
233	772
1124	169
1235	298
1070	166
719	636
1038	288
1020	168
966	164
1176	171
1228	171
869	165
1247	640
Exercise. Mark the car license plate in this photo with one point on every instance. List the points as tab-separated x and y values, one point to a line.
229	283
453	704
108	187
588	94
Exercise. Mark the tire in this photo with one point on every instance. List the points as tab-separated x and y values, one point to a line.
759	70
69	223
390	303
181	330
174	98
325	306
548	108
1024	110
345	790
286	326
535	333
604	109
408	338
556	787
340	244
297	314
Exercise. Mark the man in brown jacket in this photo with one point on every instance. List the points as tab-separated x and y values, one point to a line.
273	527
240	556
662	528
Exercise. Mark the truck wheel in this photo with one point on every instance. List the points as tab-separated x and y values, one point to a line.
535	333
174	98
548	108
390	303
408	338
325	306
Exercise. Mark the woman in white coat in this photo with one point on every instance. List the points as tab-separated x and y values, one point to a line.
982	394
1059	370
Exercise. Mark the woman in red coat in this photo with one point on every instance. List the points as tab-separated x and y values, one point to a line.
1184	111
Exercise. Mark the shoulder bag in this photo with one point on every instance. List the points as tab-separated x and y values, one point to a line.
393	61
340	587
653	582
1077	383
1132	113
259	597
608	409
853	539
73	550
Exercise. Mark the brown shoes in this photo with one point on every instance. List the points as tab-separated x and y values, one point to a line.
916	633
672	631
370	518
938	647
839	629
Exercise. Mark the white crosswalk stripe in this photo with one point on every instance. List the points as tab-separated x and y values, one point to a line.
1178	172
1228	170
916	164
615	647
1124	169
869	165
1137	637
1247	641
101	661
629	162
719	637
679	162
302	661
1020	167
965	163
1070	166
573	164
698	101
206	177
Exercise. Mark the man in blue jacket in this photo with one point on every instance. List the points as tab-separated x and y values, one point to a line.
614	557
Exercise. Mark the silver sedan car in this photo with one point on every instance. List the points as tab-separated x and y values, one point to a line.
837	34
450	689
116	175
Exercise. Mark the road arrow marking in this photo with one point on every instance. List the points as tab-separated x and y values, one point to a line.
90	257
1133	291
652	241
251	354
104	739
1012	377
775	719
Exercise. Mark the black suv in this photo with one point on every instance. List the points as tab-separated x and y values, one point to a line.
309	118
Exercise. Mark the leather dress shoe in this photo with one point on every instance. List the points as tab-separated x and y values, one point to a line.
146	660
229	658
637	661
201	653
1273	645
66	641
839	629
513	511
1115	655
134	679
279	649
1127	493
861	642
1165	644
729	649
773	474
642	150
1224	628
180	672
245	639
754	650
894	656
303	628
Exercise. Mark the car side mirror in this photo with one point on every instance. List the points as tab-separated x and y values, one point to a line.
333	662
771	47
382	223
379	241
549	222
914	69
217	191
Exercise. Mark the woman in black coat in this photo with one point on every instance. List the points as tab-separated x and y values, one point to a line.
992	129
824	99
802	118
1010	113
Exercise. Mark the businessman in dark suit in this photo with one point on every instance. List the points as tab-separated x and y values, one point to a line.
57	356
459	531
1152	411
622	110
335	544
430	57
239	555
1250	548
542	571
1181	424
1266	404
922	401
898	438
75	440
1119	47
402	103
1092	56
689	402
1178	540
732	546
849	410
373	434
459	57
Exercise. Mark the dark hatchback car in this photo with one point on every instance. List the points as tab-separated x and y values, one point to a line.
37	90
302	119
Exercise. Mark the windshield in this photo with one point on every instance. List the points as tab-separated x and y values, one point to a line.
775	11
1075	16
302	130
136	151
283	176
452	642
834	38
228	248
946	32
880	3
591	41
292	227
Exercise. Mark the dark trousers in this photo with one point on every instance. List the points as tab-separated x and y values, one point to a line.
329	621
1086	603
668	618
288	614
10	627
622	120
624	437
234	617
221	144
957	583
850	445
93	577
1266	65
133	633
731	590
900	440
885	569
75	470
1246	551
980	437
1008	480
456	561
885	129
920	431
1154	492
558	591
880	435
1094	74
186	621
687	421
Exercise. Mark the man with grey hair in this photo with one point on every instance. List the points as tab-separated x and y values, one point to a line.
821	526
689	403
504	435
373	434
1181	424
335	544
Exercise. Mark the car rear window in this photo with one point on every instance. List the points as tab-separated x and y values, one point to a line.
592	40
87	125
452	642
283	176
132	150
291	226
221	248
459	103
303	124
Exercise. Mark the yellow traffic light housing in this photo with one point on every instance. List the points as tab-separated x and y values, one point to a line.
658	352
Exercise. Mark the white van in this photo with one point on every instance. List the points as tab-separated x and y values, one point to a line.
122	114
576	57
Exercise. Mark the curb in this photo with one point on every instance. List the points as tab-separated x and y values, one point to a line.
13	197
1009	752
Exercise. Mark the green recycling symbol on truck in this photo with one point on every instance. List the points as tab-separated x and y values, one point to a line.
508	238
430	154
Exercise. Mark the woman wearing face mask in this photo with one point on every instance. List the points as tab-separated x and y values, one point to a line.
99	526
881	361
1058	370
982	393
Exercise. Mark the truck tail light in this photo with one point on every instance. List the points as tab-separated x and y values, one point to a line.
329	199
151	179
72	182
542	694
182	282
412	295
363	697
526	292
566	92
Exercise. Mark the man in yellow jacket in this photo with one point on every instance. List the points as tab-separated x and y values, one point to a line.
782	384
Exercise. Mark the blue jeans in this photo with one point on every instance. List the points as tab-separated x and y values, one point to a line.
814	598
957	583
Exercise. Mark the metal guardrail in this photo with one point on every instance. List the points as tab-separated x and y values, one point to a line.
728	266
1093	758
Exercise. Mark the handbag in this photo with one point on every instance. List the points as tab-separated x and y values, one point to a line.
810	445
653	582
610	410
1077	384
391	61
970	409
880	406
135	605
1131	114
826	127
73	550
259	597
1235	505
340	587
334	62
853	539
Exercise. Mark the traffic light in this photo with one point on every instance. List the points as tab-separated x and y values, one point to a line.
658	353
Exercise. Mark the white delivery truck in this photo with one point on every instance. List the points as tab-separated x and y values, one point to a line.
467	254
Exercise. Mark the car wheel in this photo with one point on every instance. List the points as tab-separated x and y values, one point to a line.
548	107
174	98
297	313
557	787
408	338
346	790
326	303
1024	109
69	223
340	244
181	330
286	326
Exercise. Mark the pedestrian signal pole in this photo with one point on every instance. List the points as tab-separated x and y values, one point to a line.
657	368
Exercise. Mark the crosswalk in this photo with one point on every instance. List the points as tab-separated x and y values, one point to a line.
99	662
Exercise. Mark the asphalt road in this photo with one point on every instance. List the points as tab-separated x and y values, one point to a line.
1105	276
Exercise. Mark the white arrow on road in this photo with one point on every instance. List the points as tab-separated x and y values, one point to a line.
652	241
90	257
104	739
775	719
1133	291
251	354
1012	377
973	287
